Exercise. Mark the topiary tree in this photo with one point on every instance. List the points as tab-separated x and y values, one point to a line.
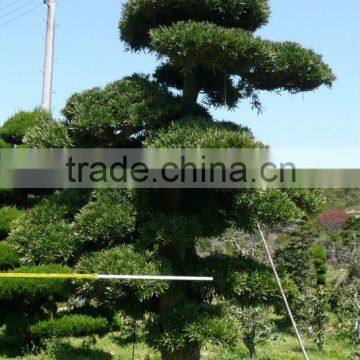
205	44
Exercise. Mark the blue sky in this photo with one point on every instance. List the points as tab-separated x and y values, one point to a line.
89	53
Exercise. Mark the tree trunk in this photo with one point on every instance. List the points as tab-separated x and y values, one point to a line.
190	92
177	254
191	353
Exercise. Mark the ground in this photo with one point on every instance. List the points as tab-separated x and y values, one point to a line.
282	347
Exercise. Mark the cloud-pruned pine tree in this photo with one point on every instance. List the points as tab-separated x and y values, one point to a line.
204	44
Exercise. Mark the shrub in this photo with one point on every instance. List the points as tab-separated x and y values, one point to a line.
14	129
108	219
49	135
333	219
8	256
7	216
41	236
35	292
349	311
317	308
293	257
256	324
69	325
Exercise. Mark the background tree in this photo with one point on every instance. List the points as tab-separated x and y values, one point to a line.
204	44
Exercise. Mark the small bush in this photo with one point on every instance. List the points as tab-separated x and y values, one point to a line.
7	216
70	325
15	128
49	135
8	256
24	291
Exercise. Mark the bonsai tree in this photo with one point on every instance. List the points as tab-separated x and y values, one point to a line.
205	44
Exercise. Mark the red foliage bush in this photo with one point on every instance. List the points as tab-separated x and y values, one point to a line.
333	219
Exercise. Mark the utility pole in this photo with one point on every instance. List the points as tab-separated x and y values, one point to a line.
49	55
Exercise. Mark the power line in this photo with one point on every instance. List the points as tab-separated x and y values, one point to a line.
17	9
20	16
11	4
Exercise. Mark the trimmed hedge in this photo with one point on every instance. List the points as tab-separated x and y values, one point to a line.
36	291
7	216
70	325
15	127
8	256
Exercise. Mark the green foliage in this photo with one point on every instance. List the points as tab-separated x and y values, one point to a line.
311	201
165	229
257	325
245	280
265	65
190	325
320	259
271	207
202	133
349	311
42	235
35	292
293	256
69	325
7	216
113	115
140	16
8	256
108	219
317	308
4	144
121	260
49	135
15	128
354	266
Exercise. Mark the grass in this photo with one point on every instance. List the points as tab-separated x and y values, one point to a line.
287	347
109	348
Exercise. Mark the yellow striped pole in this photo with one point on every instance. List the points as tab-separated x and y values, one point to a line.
104	277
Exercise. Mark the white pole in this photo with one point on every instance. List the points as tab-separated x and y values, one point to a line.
49	55
306	357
